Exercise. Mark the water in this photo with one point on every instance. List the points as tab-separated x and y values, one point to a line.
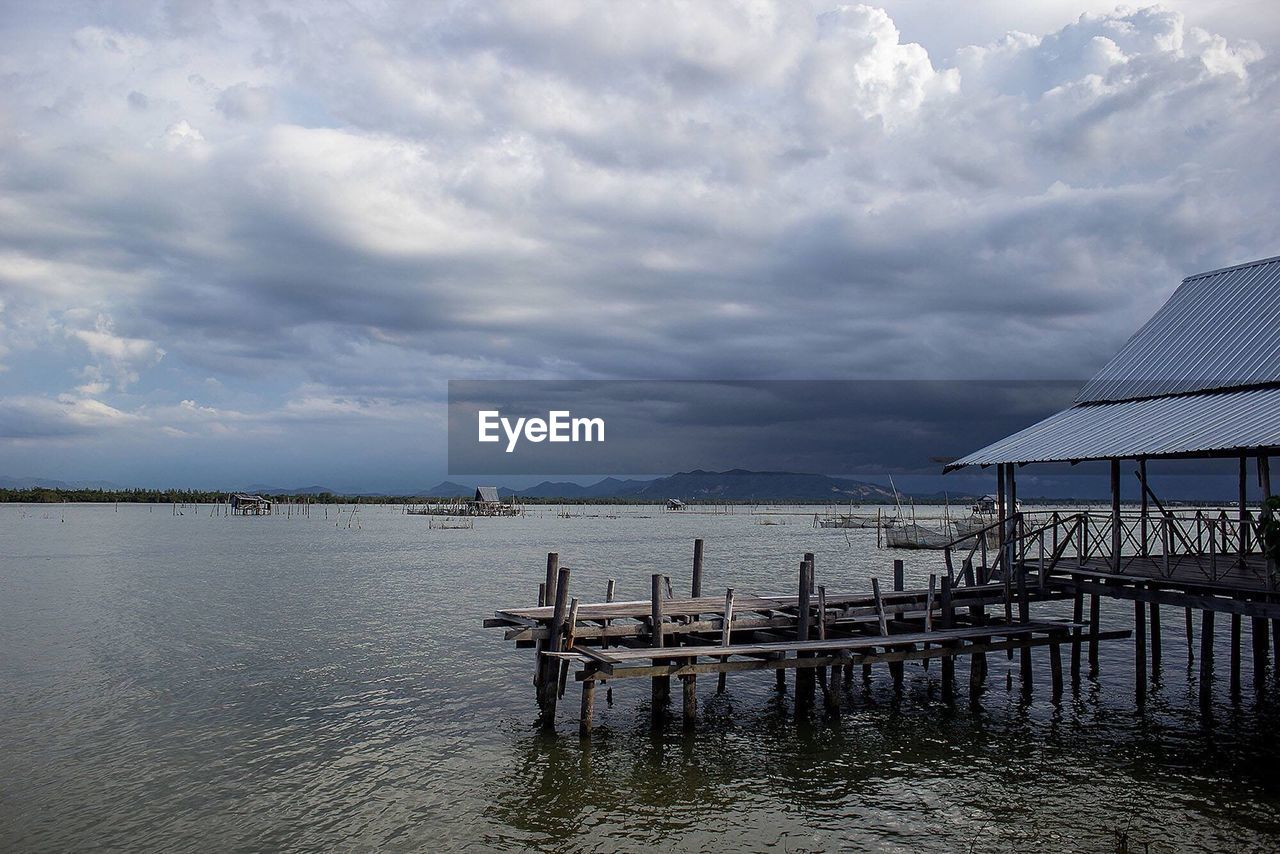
205	683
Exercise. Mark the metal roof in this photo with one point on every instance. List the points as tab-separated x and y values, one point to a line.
1220	329
486	493
1184	425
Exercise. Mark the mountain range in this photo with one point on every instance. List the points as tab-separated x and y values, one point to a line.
698	485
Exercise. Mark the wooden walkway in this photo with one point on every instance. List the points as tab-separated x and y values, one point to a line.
818	635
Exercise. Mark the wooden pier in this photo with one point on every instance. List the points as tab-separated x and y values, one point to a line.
820	636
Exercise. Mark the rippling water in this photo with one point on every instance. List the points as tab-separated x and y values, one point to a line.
203	683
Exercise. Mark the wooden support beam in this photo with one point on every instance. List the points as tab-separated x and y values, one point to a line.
1206	657
551	672
805	677
1024	614
568	644
947	619
1094	618
1115	516
696	587
1235	657
587	709
725	634
1140	650
1261	644
660	687
1191	637
1077	616
1055	668
1155	640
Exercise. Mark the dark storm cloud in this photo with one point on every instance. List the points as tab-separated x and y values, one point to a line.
326	211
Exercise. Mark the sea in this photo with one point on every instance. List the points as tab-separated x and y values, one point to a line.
174	679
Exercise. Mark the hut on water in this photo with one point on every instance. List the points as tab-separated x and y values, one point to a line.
250	505
1199	380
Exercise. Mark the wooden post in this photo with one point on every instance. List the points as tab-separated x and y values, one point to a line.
609	589
977	660
948	617
1024	616
551	672
1258	632
1243	509
725	632
1235	656
1140	649
1206	657
697	568
660	686
831	687
568	644
689	708
1155	640
1094	625
1077	617
899	576
1055	667
1191	637
1115	516
804	675
1142	524
546	596
586	712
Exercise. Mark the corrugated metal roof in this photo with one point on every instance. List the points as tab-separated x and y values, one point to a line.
486	493
1165	426
1220	329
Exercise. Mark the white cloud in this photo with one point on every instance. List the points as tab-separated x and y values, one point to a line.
328	214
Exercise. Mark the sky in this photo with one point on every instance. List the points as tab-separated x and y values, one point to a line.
252	242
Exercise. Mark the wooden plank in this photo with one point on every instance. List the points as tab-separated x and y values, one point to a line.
836	657
619	656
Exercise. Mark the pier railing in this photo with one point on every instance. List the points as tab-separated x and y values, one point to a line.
1215	544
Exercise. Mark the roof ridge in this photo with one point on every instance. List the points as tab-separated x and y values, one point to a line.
1257	263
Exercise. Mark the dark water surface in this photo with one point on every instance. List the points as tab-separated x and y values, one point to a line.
204	683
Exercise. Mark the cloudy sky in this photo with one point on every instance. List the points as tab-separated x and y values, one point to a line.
250	242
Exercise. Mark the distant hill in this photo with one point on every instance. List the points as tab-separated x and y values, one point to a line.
260	489
699	485
743	485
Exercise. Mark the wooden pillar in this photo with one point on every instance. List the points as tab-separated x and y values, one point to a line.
696	590
1206	657
725	632
660	686
1094	626
1191	637
1242	508
588	707
551	669
609	589
689	708
1142	524
1116	539
1055	666
830	688
1077	617
1140	649
948	661
804	675
546	596
1235	656
977	660
1024	616
1155	640
897	668
1258	633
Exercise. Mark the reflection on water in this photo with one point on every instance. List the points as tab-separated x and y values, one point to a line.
204	683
